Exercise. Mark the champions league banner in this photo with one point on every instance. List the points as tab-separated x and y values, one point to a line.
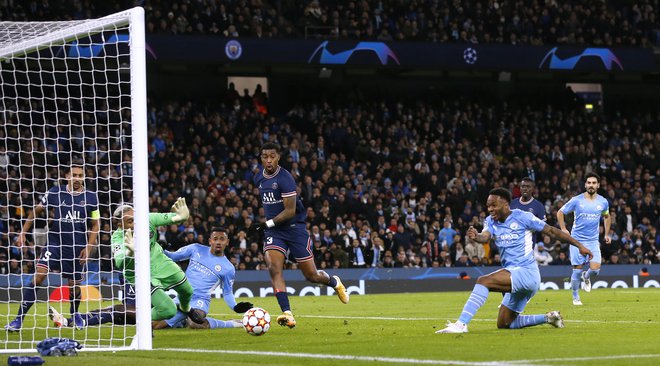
260	52
357	281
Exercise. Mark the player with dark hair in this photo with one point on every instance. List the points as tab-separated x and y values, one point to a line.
285	230
520	278
165	274
526	201
71	240
589	207
207	269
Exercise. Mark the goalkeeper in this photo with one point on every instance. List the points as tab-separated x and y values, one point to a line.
165	274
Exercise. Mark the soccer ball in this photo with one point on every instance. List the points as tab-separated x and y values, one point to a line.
256	321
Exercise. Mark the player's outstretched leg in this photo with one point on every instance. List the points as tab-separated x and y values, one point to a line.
162	306
335	282
218	324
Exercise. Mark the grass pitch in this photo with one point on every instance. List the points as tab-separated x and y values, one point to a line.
614	327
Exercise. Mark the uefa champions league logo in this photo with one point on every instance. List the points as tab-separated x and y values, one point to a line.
470	56
233	50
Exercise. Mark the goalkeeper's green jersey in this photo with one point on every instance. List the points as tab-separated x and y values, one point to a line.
161	265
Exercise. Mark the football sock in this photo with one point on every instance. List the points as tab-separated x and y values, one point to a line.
332	282
184	292
475	301
523	321
283	300
74	298
97	318
162	307
29	294
575	282
593	273
217	324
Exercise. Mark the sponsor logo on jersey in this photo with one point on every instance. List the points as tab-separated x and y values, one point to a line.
268	198
72	216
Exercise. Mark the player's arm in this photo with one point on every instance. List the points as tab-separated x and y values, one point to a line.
36	211
122	255
182	254
482	237
179	214
566	208
607	224
566	238
228	294
287	214
95	216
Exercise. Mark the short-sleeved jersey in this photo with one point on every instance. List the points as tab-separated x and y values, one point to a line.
207	271
513	237
273	189
161	265
587	215
72	209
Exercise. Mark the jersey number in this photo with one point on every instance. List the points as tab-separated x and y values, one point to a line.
47	255
269	240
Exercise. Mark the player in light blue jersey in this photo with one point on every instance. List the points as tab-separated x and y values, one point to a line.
208	268
520	279
588	207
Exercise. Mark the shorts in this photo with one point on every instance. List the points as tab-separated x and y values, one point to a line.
168	282
525	282
68	264
578	259
294	239
129	294
179	320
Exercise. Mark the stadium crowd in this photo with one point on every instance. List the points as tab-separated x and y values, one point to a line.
385	183
576	22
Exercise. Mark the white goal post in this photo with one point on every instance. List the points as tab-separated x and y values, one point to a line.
72	92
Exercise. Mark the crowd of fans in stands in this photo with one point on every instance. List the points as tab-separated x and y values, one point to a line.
385	184
576	22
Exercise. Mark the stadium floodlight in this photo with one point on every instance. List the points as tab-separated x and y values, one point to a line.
74	91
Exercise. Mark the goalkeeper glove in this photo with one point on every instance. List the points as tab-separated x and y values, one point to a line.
128	241
181	210
243	306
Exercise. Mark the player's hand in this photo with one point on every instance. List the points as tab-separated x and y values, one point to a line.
180	208
257	228
472	233
21	240
608	239
586	252
85	254
128	241
243	306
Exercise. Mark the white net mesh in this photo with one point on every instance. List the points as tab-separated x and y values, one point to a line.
66	98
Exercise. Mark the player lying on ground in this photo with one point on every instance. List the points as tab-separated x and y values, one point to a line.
520	278
120	314
207	269
165	274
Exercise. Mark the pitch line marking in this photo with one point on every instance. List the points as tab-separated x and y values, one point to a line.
346	357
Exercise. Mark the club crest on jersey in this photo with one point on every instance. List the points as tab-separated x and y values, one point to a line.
275	185
218	268
599	207
514	226
82	203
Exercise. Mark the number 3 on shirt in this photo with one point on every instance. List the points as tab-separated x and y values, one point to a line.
269	240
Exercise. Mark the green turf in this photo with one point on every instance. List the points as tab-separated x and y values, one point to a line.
614	327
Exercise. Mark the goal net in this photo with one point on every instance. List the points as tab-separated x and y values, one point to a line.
72	132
